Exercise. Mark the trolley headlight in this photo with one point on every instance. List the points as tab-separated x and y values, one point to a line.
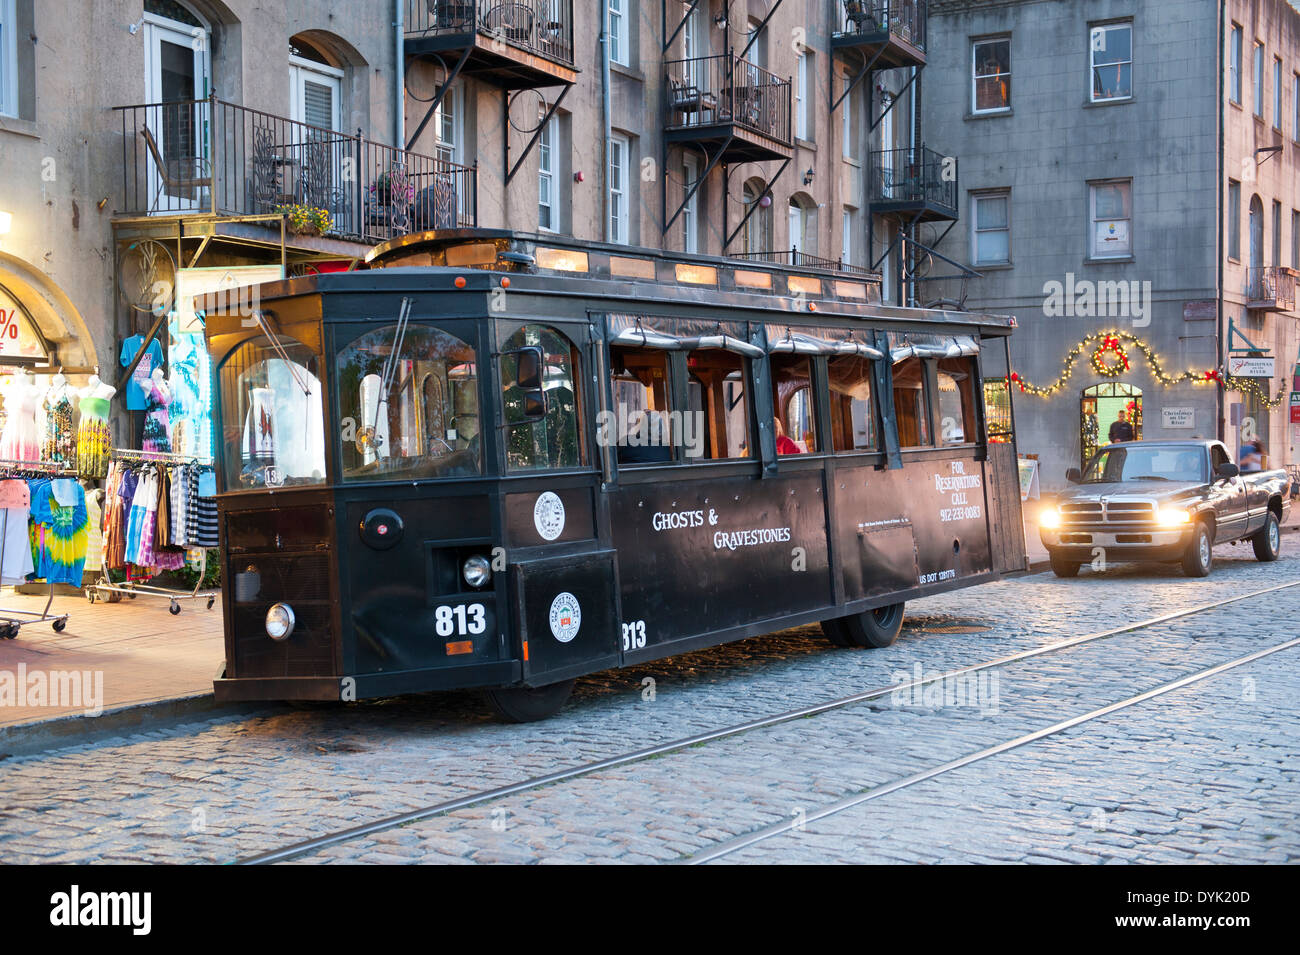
1173	516
477	571
279	622
1049	517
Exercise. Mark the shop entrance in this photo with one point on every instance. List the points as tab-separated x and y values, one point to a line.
1099	408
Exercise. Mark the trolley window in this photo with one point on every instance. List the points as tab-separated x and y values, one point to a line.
555	439
853	416
911	403
956	399
273	422
642	426
409	405
792	397
997	409
716	394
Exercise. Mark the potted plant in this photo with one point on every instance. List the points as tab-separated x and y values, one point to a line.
306	220
393	188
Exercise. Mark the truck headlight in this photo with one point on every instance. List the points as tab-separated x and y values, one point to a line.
477	571
279	622
1173	516
1049	518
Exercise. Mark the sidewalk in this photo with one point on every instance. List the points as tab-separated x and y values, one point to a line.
144	653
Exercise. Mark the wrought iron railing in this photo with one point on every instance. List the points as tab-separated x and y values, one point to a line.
1274	284
793	258
905	19
212	157
710	90
914	175
544	27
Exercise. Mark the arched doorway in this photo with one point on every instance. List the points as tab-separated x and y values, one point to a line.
1099	407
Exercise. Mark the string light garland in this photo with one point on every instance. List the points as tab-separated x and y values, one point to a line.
1104	344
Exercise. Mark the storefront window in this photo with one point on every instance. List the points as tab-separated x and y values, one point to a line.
555	439
272	416
408	406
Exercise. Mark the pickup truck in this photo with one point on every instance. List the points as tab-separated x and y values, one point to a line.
1163	501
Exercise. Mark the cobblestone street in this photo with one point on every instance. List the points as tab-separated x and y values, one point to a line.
1205	773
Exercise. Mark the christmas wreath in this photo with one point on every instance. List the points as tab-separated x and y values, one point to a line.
1110	368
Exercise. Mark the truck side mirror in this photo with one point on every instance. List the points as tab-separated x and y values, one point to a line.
1073	476
528	378
1227	470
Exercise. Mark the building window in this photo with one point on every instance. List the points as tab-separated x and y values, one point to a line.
1277	93
803	228
758	228
448	126
620	158
1277	232
546	217
991	228
1234	68
8	58
1234	219
1111	219
850	147
991	84
1112	62
1295	106
691	211
315	92
1259	80
1295	238
801	92
619	46
846	239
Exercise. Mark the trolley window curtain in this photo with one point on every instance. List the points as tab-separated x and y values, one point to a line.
904	345
782	339
680	334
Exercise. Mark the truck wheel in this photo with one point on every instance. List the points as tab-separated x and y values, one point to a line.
1268	540
1200	554
833	630
875	629
524	704
1062	567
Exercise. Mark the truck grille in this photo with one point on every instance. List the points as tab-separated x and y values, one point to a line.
1126	513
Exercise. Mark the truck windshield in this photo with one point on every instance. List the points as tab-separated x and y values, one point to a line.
1136	463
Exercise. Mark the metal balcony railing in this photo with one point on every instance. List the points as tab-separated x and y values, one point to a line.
793	258
1271	287
905	19
544	27
210	157
711	90
914	176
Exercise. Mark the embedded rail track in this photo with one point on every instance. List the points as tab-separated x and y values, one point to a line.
306	847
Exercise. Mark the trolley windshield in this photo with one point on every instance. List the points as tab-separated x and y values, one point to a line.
271	412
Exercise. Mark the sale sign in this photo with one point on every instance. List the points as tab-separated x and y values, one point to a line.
20	343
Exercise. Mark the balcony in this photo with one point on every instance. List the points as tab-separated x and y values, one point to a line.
890	31
208	158
794	259
731	104
519	44
1270	289
917	183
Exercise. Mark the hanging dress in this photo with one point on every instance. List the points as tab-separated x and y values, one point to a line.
156	434
20	440
94	439
60	440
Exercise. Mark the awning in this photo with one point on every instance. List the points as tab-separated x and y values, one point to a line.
644	331
932	346
780	339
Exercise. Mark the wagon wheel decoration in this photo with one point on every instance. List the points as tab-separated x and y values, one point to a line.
542	108
146	277
1110	368
422	84
681	180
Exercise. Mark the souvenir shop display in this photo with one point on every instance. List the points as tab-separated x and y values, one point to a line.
60	438
157	507
94	439
44	531
24	428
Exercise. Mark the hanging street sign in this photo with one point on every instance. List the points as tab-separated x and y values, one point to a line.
1241	366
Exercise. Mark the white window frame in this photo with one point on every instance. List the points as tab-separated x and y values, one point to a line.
1295	238
1236	45
159	30
1277	93
1257	74
1092	62
1093	251
850	146
691	210
546	178
8	58
617	30
1233	212
303	70
801	96
797	220
974	86
1295	107
975	230
848	220
449	137
620	164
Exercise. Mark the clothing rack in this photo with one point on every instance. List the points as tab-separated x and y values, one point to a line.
108	590
11	618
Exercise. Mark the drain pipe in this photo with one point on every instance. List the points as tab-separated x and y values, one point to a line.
605	109
399	75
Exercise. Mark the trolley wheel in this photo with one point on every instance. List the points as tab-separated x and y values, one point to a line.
211	601
834	631
875	629
1062	567
59	624
173	609
524	704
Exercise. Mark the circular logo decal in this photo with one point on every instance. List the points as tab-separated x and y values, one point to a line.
566	617
548	515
